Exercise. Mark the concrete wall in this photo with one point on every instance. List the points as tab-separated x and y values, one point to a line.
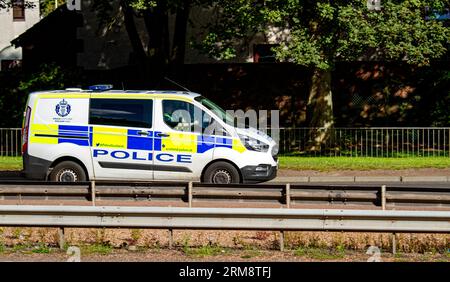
10	29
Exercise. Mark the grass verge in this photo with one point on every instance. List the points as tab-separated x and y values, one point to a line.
319	163
320	253
10	163
354	163
102	249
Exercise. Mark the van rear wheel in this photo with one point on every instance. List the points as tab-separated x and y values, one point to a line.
221	173
67	171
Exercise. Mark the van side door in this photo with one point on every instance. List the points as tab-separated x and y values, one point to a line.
121	135
183	151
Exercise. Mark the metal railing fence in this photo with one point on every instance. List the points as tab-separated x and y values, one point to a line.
368	142
10	142
351	142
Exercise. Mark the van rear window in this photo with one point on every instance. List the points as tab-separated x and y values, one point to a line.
121	112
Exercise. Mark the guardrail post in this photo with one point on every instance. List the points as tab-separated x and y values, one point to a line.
170	238
288	195
383	197
61	238
282	241
190	185
394	243
93	192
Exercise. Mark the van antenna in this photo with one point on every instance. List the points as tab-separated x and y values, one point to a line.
177	84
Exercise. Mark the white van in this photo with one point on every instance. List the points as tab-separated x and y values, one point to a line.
97	134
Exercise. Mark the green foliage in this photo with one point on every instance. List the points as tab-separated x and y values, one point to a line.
7	4
102	249
41	249
233	21
322	32
318	33
143	4
16	85
441	112
208	250
48	6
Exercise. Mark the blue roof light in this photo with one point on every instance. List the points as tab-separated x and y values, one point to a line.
100	87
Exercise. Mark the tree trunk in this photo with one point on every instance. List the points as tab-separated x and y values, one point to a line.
157	25
179	38
320	110
138	55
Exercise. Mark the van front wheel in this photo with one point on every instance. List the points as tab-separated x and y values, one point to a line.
221	173
67	172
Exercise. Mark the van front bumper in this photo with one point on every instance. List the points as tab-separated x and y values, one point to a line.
258	173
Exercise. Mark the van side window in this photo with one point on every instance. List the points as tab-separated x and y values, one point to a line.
121	112
184	116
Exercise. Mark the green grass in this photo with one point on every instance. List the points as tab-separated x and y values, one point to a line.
208	250
41	249
320	253
10	163
319	163
20	248
102	249
355	163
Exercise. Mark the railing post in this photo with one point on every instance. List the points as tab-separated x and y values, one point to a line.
383	197
61	238
93	192
170	238
282	241
394	243
288	195
190	185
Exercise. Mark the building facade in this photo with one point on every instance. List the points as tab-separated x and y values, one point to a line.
13	22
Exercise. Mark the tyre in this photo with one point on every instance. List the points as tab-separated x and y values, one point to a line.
67	171
221	173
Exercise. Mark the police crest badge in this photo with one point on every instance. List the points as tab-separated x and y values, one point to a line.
63	108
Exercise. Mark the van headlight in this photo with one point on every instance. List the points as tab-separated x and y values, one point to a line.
253	144
275	150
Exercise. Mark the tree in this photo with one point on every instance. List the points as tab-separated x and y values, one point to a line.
48	6
7	4
323	32
153	53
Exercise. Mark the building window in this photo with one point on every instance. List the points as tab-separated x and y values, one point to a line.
262	53
10	64
18	10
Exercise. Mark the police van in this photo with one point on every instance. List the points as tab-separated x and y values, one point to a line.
103	134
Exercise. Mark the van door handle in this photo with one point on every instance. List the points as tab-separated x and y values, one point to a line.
143	133
162	135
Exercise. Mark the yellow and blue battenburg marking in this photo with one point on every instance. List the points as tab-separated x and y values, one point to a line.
122	138
73	134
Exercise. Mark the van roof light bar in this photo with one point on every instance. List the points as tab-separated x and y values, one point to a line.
100	87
